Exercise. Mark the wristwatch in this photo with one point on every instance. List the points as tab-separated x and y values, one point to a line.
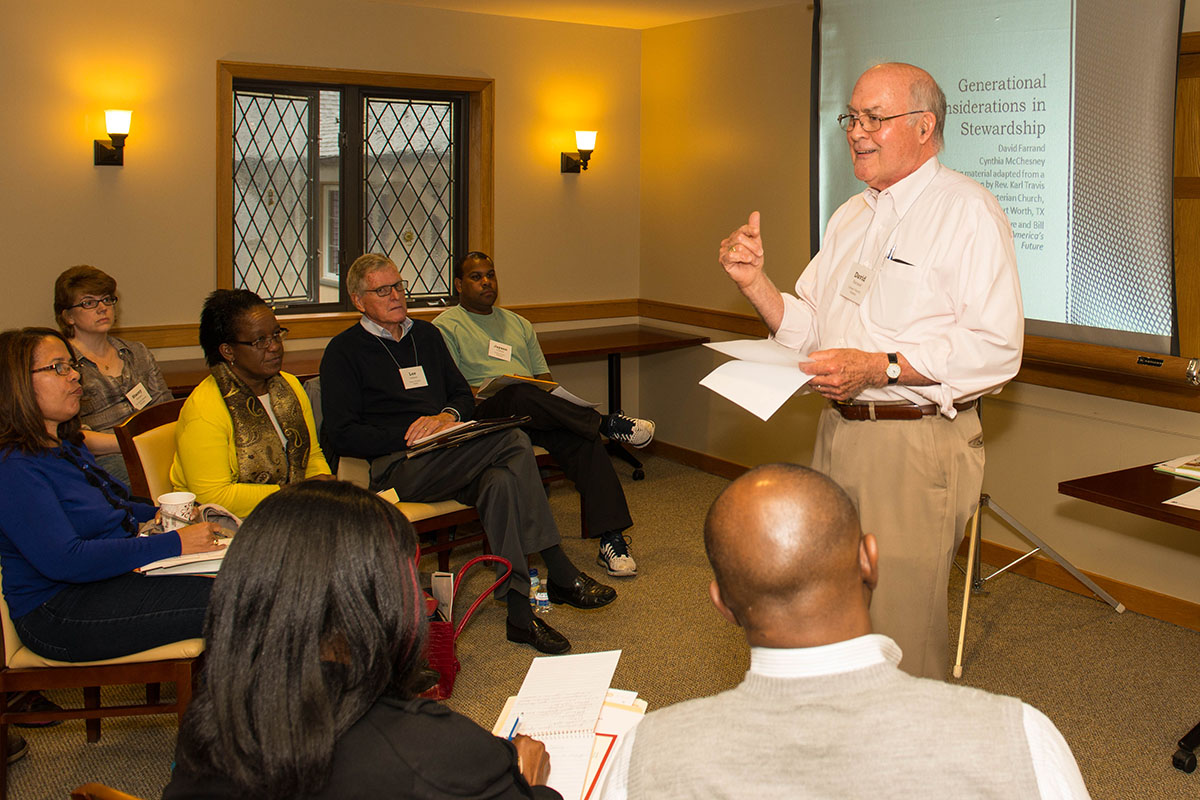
893	369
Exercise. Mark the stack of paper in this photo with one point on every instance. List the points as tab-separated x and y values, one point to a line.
762	378
1183	467
193	564
566	703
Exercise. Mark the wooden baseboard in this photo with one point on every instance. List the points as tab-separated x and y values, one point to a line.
1179	612
694	458
1184	613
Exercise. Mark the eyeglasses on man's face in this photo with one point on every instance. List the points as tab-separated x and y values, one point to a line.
868	122
263	342
91	302
61	368
386	291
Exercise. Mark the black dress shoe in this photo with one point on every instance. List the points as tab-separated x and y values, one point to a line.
543	638
583	592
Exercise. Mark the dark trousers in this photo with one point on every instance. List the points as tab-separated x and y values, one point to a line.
571	434
495	473
116	617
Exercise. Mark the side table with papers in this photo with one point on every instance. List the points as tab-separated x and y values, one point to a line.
1143	491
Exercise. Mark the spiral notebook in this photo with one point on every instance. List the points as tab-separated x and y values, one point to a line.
558	704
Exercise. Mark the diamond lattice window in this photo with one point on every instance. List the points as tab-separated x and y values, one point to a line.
322	175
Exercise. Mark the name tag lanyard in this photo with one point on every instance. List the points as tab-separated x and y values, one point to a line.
862	277
412	377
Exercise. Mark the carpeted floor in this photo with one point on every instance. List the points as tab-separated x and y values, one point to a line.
1122	688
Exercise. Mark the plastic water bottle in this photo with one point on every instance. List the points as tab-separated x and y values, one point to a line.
534	586
543	601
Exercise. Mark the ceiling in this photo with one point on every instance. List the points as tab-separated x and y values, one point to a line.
636	14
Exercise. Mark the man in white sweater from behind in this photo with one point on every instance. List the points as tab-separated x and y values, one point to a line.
824	711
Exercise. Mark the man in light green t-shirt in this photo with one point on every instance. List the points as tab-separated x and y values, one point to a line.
487	341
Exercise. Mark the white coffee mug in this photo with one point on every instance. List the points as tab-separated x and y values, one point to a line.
176	509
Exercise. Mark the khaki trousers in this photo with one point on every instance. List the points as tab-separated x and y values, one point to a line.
916	483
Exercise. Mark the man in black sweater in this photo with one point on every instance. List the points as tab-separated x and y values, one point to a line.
389	381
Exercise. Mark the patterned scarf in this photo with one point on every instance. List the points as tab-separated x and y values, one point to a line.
261	456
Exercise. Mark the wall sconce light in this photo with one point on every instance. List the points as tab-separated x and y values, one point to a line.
112	153
576	162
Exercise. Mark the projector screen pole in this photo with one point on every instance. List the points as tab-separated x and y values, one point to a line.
974	581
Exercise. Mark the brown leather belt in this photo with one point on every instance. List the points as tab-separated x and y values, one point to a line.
890	411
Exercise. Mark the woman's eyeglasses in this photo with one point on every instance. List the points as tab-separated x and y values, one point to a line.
62	368
263	342
91	302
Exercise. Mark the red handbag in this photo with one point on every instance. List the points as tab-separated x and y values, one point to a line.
443	635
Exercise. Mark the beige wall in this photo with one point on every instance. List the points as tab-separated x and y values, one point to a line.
724	131
151	223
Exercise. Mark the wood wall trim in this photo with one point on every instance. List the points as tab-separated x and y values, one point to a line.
1180	612
320	326
697	460
334	76
1089	369
1189	43
1187	188
729	321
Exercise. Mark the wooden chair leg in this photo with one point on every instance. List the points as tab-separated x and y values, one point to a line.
4	761
91	699
153	693
183	688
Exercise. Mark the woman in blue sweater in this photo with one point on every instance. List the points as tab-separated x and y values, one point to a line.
68	530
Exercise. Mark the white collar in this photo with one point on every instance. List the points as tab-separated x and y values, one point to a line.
905	191
375	329
829	659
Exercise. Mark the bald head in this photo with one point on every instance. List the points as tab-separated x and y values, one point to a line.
787	551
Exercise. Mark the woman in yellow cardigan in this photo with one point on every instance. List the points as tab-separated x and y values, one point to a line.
248	428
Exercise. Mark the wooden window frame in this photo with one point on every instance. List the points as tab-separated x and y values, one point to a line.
480	168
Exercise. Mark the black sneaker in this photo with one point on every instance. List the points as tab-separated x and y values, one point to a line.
614	555
627	430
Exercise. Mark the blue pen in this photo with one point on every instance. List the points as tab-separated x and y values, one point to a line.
513	731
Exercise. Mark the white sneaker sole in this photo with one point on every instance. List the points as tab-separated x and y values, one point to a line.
616	573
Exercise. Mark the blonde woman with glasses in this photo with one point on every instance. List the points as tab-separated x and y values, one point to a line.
118	377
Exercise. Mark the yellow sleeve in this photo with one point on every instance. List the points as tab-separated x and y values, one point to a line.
205	457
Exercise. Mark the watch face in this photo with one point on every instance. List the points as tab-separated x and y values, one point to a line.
893	371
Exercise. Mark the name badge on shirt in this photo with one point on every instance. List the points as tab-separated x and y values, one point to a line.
413	377
500	350
858	282
138	397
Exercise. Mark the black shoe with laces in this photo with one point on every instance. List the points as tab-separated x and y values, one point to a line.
614	556
627	430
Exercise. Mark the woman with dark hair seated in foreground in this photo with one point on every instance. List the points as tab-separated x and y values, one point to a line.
315	632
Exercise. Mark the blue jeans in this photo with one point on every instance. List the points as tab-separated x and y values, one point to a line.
116	617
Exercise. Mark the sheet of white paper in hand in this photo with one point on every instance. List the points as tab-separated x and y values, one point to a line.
762	378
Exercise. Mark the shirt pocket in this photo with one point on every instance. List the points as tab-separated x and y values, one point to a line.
903	294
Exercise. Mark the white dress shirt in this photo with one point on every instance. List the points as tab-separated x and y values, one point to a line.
945	291
1054	767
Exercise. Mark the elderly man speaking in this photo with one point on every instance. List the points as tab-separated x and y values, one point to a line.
910	312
